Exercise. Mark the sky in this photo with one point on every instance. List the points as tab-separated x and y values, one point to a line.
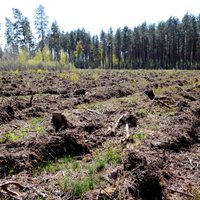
95	15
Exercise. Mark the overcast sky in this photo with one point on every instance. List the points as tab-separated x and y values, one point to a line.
94	15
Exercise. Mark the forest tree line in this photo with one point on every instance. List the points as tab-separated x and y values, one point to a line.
171	44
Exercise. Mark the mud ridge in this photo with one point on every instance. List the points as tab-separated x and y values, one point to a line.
39	151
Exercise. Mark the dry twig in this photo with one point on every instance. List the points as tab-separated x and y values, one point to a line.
180	192
4	187
94	111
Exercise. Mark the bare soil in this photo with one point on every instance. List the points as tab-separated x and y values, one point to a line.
79	116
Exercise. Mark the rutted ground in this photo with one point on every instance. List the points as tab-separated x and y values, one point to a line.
153	117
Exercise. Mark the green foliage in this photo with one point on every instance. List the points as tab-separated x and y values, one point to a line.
22	57
46	56
161	90
73	76
15	72
152	49
36	124
78	186
99	165
12	136
196	193
41	24
79	49
52	167
75	164
38	57
142	112
139	136
113	156
96	73
63	58
86	176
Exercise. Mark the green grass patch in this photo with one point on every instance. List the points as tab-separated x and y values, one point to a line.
142	112
53	167
79	185
73	76
161	90
85	176
102	106
36	124
139	136
195	193
81	175
13	136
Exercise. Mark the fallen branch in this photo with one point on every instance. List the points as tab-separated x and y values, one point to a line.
117	122
127	133
94	111
8	191
164	104
31	100
180	192
127	130
190	160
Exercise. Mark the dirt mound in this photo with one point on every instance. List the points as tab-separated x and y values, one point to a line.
6	114
39	151
184	141
134	161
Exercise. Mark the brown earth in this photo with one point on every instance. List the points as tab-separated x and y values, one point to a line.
79	112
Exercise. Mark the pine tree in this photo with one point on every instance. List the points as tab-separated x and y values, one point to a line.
41	25
11	44
55	41
110	48
118	46
19	34
78	53
103	53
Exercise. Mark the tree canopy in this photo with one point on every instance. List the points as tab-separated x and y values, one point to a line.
169	44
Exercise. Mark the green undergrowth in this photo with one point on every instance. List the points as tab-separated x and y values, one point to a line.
83	175
87	176
37	124
138	136
195	193
103	106
33	125
13	136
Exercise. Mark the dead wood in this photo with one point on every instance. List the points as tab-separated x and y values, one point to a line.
180	192
60	122
127	133
94	111
31	100
126	119
113	129
9	192
163	104
150	94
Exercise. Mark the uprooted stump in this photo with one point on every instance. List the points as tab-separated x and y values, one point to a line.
150	93
129	119
59	122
